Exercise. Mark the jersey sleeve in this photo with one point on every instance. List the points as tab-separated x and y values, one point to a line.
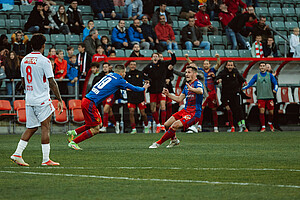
184	91
125	85
48	69
198	84
252	81
21	69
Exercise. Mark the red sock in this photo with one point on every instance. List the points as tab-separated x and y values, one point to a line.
200	119
215	118
163	116
133	125
262	119
270	118
146	122
169	134
112	119
230	118
81	129
105	120
169	110
155	117
83	136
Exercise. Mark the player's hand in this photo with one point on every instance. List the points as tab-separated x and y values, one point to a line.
186	55
170	52
60	107
189	87
219	81
168	81
217	55
274	91
165	91
170	67
146	85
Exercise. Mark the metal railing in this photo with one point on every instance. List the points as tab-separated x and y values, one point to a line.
286	41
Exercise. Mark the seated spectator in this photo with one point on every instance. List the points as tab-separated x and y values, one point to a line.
38	20
270	48
72	74
119	2
165	34
33	2
233	6
92	42
112	54
12	70
119	36
189	8
100	55
80	2
52	53
84	61
294	41
136	51
61	20
202	20
87	29
19	44
70	52
192	36
4	44
106	44
75	21
161	11
261	29
135	35
257	48
24	2
104	8
50	12
149	33
252	3
133	9
213	8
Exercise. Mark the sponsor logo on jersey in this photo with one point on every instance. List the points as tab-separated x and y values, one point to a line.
30	60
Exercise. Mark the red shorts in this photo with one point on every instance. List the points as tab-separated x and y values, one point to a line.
109	100
211	101
168	100
263	103
141	106
157	98
90	112
187	118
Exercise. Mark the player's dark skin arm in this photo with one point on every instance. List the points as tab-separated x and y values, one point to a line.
54	88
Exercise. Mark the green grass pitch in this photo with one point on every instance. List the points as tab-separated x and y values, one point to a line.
204	166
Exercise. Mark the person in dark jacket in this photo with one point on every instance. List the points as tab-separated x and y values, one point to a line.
38	20
136	51
104	8
213	8
92	42
119	36
161	11
4	44
232	82
19	46
189	8
149	33
75	21
61	20
270	48
135	35
192	36
261	29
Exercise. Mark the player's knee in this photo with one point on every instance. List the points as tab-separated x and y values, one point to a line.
175	125
131	112
95	130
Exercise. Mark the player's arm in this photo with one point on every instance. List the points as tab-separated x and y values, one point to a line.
274	81
252	81
218	65
126	85
54	88
188	58
198	90
173	59
174	97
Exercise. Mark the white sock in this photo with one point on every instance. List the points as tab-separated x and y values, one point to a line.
158	125
20	148
263	126
46	152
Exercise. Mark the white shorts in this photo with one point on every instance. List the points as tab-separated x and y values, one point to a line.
37	114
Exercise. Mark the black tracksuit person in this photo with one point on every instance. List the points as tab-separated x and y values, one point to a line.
232	81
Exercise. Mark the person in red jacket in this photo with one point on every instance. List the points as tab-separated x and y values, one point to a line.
100	55
233	6
165	34
202	20
61	71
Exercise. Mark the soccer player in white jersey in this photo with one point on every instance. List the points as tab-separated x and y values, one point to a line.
37	76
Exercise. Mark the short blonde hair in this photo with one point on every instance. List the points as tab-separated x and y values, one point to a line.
295	29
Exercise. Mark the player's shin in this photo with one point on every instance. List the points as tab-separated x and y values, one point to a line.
169	134
85	135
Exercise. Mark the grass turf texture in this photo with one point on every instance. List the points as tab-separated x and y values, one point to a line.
107	154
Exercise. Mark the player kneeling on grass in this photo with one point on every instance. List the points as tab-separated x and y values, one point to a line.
193	92
108	85
37	75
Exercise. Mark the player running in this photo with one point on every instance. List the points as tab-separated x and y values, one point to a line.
37	76
193	92
264	81
108	85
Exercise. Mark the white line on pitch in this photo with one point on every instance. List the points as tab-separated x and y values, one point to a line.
169	168
153	179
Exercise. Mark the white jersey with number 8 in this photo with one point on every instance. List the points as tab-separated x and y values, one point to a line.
36	69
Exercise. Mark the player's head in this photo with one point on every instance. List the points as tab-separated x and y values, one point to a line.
95	67
132	65
105	67
190	73
38	42
155	57
70	50
206	64
81	47
262	67
120	69
230	65
60	54
269	68
73	59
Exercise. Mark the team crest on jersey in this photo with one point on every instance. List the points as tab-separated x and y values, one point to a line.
30	60
109	100
98	119
187	117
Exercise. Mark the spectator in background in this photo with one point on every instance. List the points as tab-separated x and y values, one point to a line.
202	20
19	45
249	25
52	53
119	2
61	20
4	44
252	3
270	48
112	54
38	20
261	29
233	6
95	72
213	8
50	12
24	2
61	66
149	33
75	21
72	74
87	29
80	2
294	41
52	61
12	70
83	60
133	9
135	35
104	8
70	52
92	42
257	48
149	8
189	8
119	36
161	11
192	36
100	55
136	51
165	34
106	44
